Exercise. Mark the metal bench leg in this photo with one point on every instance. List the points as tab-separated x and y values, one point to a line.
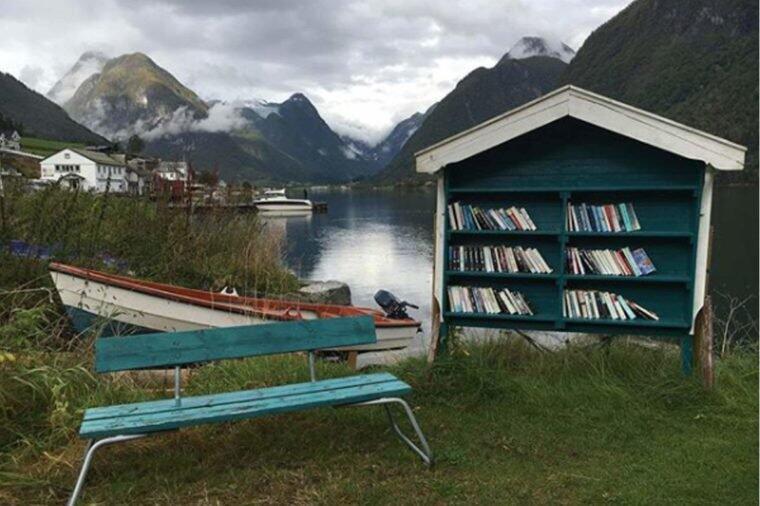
91	447
424	453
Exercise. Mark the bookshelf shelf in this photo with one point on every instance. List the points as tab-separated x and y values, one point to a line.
572	189
634	235
638	322
503	275
497	233
652	278
502	317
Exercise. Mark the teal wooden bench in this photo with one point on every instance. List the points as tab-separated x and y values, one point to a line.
114	424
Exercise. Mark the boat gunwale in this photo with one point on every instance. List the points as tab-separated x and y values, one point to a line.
242	305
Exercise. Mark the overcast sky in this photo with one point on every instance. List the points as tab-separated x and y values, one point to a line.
365	65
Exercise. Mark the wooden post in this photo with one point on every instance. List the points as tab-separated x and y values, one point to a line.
435	330
351	360
703	344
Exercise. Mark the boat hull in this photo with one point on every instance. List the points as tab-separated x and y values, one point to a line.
115	310
283	205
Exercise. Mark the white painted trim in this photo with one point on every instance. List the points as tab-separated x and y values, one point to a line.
592	108
703	244
440	255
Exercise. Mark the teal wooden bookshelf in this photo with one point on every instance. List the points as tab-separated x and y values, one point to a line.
571	161
572	145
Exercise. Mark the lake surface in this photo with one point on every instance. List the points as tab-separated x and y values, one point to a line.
373	239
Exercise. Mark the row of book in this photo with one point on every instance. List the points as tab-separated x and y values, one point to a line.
622	262
595	305
467	217
602	218
497	259
478	299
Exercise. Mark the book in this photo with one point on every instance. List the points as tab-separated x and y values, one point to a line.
643	262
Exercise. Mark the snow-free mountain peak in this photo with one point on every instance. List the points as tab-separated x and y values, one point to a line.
540	46
90	63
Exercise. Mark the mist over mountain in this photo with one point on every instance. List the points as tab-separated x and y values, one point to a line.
539	46
91	62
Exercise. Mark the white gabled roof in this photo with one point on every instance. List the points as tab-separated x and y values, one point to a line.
595	109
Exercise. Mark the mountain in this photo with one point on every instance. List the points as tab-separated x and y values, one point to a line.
538	46
133	94
694	61
38	116
390	146
91	62
482	94
286	141
296	128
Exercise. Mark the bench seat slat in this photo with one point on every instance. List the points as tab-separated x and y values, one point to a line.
198	401
243	407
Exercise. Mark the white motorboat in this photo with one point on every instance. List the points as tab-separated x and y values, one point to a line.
277	201
120	304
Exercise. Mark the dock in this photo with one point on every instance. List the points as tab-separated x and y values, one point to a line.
318	207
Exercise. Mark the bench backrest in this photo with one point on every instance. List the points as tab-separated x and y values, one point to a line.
188	347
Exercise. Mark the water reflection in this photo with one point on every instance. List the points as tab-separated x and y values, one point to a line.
370	240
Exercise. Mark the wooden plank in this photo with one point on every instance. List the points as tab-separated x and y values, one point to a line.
194	402
242	410
177	348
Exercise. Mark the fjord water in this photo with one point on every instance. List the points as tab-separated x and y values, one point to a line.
373	239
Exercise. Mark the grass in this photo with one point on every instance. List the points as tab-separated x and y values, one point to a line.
508	425
45	147
145	239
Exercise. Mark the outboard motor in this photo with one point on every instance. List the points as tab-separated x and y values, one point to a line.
393	307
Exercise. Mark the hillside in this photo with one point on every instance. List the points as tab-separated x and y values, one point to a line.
38	116
295	127
482	94
243	156
694	61
132	94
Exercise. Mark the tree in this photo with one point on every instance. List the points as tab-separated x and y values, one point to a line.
135	144
208	178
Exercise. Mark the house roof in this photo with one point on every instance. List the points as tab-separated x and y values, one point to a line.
94	156
592	108
98	157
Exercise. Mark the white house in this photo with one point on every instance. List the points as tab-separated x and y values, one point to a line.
96	171
173	171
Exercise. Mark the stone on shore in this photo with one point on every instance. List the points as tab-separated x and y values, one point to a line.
326	292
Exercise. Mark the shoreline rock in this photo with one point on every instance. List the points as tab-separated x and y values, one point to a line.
325	292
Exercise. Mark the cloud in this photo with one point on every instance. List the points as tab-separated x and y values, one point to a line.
362	63
221	117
